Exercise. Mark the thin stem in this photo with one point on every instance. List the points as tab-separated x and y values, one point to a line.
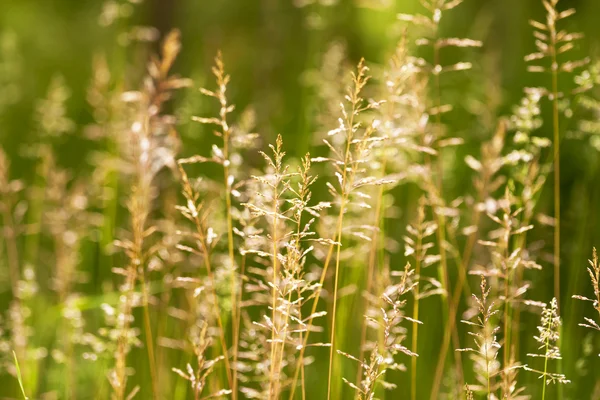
441	231
371	268
310	320
233	278
355	99
161	323
236	336
335	290
302	378
209	272
139	212
149	338
507	319
344	198
556	136
556	139
226	131
222	79
274	354
121	354
450	327
546	363
415	325
273	382
487	364
299	294
516	321
438	104
282	345
302	382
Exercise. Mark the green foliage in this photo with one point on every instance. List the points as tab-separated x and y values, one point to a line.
157	242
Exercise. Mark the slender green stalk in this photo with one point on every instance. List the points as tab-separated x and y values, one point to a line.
302	378
121	353
139	212
149	339
448	307
274	382
222	80
234	283
236	330
209	272
226	139
507	319
19	378
303	387
344	198
415	325
282	347
371	269
441	231
335	290
556	139
546	365
516	320
337	265
354	97
556	142
310	320
450	327
487	367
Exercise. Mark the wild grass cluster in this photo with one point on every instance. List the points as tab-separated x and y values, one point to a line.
395	259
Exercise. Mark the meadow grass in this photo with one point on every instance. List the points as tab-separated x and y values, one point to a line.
402	256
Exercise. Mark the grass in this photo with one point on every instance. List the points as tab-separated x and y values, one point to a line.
19	377
190	253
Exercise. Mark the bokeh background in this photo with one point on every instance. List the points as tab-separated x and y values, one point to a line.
270	48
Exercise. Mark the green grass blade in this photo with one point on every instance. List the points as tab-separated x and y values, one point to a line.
19	378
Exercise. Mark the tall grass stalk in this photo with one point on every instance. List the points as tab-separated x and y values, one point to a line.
279	174
548	337
416	302
544	384
346	170
192	212
335	291
222	80
533	181
140	209
236	335
556	148
348	173
431	22
373	250
300	363
148	153
552	42
484	335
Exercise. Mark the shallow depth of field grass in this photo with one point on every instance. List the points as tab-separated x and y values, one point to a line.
344	199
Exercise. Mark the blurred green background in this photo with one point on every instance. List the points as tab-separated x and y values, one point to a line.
268	46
